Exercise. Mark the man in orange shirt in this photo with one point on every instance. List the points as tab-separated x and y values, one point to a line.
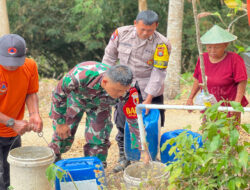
18	85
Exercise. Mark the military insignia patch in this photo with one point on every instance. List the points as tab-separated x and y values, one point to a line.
161	56
114	35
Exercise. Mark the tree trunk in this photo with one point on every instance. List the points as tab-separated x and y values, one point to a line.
142	5
4	21
174	34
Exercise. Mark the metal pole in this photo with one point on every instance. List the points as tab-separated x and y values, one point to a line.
139	108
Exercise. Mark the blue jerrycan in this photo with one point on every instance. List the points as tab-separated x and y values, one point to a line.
87	173
151	125
165	157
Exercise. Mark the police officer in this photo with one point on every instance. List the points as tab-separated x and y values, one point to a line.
146	52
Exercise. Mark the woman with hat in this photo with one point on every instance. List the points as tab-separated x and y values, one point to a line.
225	71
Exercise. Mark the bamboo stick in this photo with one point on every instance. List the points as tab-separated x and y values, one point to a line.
197	26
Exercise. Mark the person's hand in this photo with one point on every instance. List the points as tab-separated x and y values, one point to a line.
36	123
190	102
21	126
146	102
145	156
63	131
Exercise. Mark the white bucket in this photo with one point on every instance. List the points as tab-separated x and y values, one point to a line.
138	173
28	166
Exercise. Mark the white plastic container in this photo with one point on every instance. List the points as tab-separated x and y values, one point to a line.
28	166
199	99
136	173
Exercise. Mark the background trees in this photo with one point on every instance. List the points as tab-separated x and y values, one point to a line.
4	21
174	33
62	33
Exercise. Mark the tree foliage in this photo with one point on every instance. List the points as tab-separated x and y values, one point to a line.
62	33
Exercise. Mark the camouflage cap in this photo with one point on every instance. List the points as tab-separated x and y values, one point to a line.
217	35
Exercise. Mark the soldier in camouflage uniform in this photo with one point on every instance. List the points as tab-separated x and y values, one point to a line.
93	88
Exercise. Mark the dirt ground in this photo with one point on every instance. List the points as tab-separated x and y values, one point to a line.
175	119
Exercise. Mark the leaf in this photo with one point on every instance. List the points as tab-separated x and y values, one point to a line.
247	144
164	145
60	175
175	174
246	127
243	158
238	182
232	4
50	174
212	131
221	163
171	186
177	97
208	157
240	49
237	106
172	150
216	14
214	145
220	121
234	137
168	168
231	184
198	159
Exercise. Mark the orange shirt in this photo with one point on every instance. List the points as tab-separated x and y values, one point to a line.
14	87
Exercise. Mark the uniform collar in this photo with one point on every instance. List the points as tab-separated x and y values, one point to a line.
96	83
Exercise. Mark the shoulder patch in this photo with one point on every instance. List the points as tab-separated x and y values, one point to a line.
161	56
114	35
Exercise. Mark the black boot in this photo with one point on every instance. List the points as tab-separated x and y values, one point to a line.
122	163
104	163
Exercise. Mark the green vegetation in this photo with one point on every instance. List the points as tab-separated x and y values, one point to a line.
248	86
53	171
222	162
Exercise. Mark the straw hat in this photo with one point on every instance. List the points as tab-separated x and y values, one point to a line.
217	35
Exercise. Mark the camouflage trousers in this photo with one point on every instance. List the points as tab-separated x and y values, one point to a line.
97	133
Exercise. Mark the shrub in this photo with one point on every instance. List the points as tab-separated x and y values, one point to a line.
222	162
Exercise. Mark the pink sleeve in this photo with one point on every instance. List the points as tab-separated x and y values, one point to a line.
239	68
197	70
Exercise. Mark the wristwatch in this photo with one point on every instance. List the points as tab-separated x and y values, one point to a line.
10	122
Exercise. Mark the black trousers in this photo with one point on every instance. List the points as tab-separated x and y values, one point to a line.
5	147
120	119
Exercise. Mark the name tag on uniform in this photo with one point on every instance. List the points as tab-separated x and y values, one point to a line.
161	56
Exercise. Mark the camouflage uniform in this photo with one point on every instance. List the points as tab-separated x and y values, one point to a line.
80	91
